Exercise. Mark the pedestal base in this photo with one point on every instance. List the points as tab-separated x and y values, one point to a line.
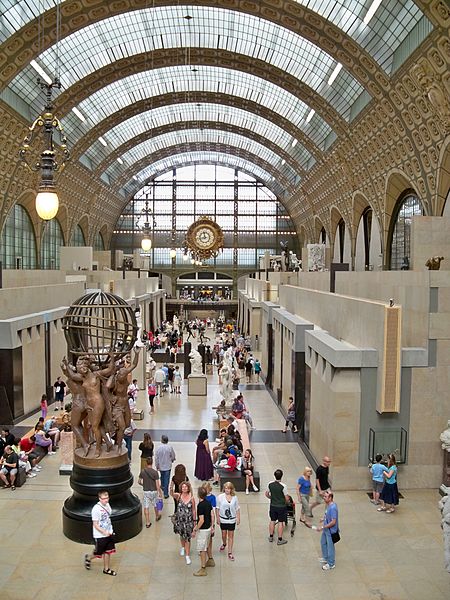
112	474
197	385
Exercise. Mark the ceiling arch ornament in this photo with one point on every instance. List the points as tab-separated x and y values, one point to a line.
196	97
130	78
279	182
162	116
154	143
22	47
200	125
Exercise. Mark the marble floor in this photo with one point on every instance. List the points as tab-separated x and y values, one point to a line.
382	557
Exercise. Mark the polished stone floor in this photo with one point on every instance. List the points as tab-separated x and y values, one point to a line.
382	557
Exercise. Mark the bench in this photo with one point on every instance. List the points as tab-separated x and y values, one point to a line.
236	477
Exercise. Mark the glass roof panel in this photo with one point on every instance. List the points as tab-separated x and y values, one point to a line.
201	157
390	25
141	86
100	44
209	136
190	113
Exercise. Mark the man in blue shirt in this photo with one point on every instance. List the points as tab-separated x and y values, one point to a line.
330	525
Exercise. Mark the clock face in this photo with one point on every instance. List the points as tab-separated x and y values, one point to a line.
204	237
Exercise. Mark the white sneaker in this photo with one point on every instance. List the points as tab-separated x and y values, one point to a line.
51	453
181	551
247	492
188	560
328	567
255	489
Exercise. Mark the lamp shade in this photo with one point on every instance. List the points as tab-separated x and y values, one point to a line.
173	253
146	244
47	204
185	257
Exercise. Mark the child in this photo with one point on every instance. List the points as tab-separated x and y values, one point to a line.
377	470
177	380
44	406
152	391
210	496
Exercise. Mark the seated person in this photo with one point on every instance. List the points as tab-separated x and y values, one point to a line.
238	407
9	466
220	446
27	445
228	461
43	441
51	429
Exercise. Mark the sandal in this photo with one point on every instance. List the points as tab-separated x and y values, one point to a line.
390	510
13	487
381	509
109	572
230	556
87	562
222	547
148	525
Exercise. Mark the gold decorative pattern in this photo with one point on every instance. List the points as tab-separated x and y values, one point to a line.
204	238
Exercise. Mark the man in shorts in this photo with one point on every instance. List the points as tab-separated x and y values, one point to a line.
149	479
9	465
103	534
203	531
322	482
277	492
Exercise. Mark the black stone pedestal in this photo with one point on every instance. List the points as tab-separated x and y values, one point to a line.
113	475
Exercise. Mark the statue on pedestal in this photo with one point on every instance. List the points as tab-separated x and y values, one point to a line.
100	330
445	438
196	362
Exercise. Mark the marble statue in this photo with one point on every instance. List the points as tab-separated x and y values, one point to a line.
176	323
444	505
196	362
434	263
226	375
316	257
445	438
138	343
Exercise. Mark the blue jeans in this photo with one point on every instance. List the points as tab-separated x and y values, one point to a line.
165	479
128	443
327	545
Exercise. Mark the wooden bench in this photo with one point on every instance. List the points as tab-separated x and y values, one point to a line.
236	477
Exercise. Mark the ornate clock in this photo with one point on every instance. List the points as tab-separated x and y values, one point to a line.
204	238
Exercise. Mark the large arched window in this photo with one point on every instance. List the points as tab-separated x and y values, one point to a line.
77	237
51	242
18	241
408	206
99	243
253	220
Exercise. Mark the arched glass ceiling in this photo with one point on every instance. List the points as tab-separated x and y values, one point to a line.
181	79
392	22
201	157
191	112
103	43
208	136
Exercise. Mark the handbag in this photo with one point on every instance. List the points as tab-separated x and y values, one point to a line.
159	504
335	537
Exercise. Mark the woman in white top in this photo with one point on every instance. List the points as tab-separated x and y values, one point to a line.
228	515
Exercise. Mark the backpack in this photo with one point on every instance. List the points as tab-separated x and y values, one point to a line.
151	389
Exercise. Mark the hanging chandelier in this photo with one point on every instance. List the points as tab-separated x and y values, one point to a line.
52	158
146	226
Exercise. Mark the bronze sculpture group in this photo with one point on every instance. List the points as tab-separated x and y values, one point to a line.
100	407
